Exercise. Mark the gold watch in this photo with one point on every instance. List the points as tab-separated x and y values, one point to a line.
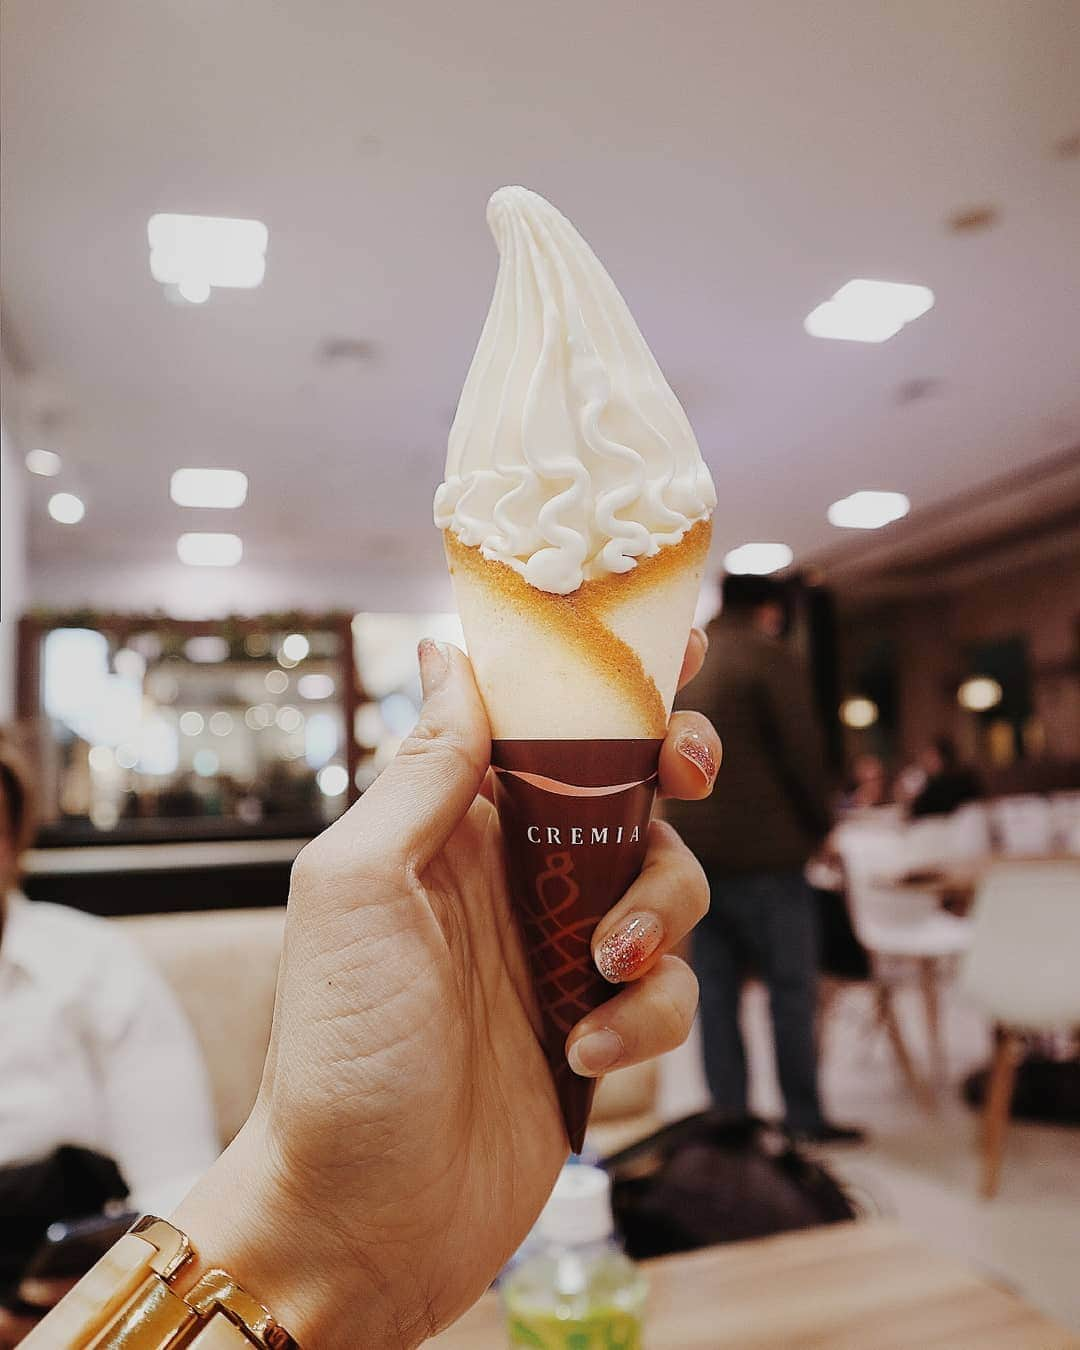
125	1302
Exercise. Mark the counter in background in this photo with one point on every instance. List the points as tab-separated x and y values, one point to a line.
162	878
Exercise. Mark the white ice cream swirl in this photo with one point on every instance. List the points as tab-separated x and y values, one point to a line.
569	457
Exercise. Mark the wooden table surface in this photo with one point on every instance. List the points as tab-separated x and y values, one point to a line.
853	1286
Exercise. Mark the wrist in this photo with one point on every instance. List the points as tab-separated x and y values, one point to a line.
246	1217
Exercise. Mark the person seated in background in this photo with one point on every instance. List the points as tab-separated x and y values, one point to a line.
948	784
94	1050
868	784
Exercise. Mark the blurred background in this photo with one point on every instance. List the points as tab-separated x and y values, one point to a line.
244	268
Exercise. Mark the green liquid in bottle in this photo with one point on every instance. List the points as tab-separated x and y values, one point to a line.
602	1329
590	1299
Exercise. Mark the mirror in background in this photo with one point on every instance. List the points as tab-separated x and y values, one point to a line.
152	728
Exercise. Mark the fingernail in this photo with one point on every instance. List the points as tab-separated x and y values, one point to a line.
594	1053
434	658
695	750
624	951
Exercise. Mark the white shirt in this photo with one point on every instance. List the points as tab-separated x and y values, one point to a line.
95	1051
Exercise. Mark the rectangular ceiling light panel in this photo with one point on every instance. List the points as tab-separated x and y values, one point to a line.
868	311
218	488
207	250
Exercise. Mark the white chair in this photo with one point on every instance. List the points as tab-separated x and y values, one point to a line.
970	835
927	843
1065	821
1023	971
1024	825
937	841
905	930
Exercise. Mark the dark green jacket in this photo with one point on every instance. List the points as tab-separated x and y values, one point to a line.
769	810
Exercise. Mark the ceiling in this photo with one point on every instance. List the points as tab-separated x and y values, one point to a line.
731	163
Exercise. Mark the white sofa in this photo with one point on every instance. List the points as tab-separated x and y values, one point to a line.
223	966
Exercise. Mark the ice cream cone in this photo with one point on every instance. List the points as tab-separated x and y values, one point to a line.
599	663
575	512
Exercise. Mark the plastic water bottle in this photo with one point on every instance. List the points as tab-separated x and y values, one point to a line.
578	1290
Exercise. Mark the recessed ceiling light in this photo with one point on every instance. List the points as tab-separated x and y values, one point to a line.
972	219
757	559
210	550
979	694
868	311
218	488
858	713
45	463
196	253
66	508
868	510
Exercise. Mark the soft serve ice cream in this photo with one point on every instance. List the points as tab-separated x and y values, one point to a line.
576	503
570	458
575	512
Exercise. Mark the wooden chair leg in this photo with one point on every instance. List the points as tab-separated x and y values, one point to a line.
887	1016
928	979
1008	1051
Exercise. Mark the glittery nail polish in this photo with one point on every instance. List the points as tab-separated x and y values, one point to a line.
624	951
694	749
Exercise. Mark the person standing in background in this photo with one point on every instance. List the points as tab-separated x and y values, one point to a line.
754	842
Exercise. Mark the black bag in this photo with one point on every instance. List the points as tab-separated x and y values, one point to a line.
71	1183
706	1179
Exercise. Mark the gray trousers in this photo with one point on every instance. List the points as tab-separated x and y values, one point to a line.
766	924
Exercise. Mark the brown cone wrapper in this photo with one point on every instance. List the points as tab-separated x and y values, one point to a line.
575	817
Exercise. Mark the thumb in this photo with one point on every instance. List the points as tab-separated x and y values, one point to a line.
419	799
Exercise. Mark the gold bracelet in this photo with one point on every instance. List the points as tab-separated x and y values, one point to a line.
125	1303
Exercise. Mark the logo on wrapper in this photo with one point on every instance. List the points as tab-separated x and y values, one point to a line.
582	834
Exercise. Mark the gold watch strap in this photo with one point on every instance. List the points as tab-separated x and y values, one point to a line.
125	1303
